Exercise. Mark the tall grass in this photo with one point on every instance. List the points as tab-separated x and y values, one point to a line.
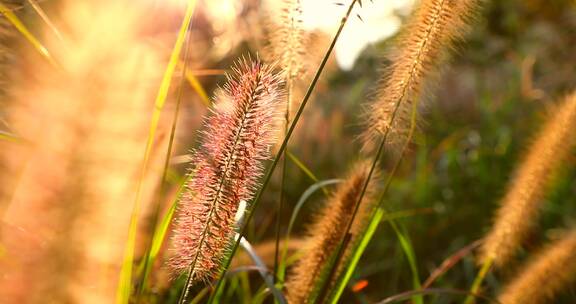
86	151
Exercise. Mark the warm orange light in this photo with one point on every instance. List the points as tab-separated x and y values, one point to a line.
360	286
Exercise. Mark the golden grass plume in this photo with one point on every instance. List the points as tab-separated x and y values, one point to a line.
522	203
421	50
288	39
545	276
329	229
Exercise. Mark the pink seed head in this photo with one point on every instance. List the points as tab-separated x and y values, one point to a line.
237	137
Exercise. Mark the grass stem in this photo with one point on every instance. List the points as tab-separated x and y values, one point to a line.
470	299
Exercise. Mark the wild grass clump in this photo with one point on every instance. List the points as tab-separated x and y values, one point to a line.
83	118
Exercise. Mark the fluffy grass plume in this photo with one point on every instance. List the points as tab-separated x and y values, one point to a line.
545	276
238	136
286	42
421	51
85	123
328	231
287	39
522	202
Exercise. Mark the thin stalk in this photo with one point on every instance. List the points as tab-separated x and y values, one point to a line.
478	281
283	147
46	19
184	293
17	23
289	86
148	261
449	263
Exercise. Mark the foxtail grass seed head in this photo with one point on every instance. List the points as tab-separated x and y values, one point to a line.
545	276
287	39
329	230
522	203
238	135
419	56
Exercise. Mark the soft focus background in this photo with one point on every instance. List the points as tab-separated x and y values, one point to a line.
478	121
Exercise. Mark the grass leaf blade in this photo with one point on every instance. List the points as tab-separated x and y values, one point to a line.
124	286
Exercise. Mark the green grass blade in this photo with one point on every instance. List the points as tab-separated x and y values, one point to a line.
470	299
198	298
246	295
9	137
150	256
195	84
17	23
160	233
379	216
303	198
409	252
302	166
363	243
125	284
